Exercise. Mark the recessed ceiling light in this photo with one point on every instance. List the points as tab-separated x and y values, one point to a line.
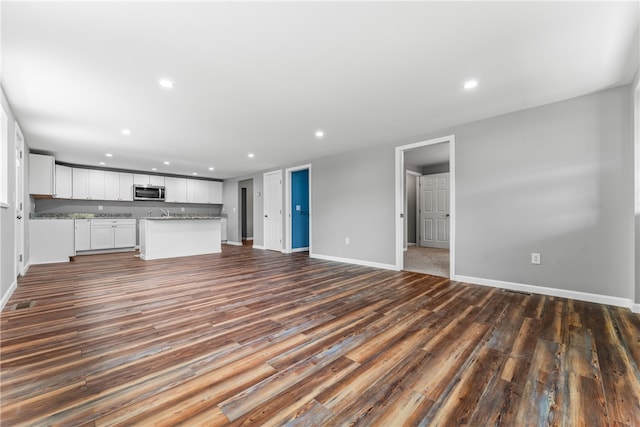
102	163
319	134
154	169
211	168
195	173
470	84
250	155
126	131
166	83
109	155
166	163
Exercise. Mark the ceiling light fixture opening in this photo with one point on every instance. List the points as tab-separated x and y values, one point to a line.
250	155
470	84
194	173
166	83
102	163
109	155
211	168
166	163
126	131
154	169
319	134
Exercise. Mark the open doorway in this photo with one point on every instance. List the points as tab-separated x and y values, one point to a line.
425	202
246	211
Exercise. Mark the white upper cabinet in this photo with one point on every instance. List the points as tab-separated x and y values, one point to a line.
93	184
215	192
80	183
176	190
41	175
96	185
63	182
118	186
140	179
88	184
157	180
126	186
111	185
197	191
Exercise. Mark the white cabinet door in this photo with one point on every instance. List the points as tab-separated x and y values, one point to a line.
102	236
82	234
125	235
215	192
140	179
63	182
176	190
80	183
41	174
197	191
126	186
157	180
96	185
111	185
50	240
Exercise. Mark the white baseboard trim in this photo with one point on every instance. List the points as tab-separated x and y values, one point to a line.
635	308
562	293
5	297
411	244
26	268
354	261
300	249
229	242
258	247
247	238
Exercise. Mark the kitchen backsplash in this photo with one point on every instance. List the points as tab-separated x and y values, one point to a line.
130	209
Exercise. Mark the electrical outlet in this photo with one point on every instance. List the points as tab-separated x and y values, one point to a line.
346	240
100	207
535	258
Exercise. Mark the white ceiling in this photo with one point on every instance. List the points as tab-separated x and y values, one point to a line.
262	77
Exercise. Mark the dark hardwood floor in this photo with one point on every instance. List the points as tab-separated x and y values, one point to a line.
258	337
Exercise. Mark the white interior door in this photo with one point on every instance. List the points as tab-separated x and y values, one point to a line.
434	210
19	201
273	210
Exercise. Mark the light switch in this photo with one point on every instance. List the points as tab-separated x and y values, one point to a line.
297	207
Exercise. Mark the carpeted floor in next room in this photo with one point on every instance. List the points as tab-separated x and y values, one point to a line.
427	261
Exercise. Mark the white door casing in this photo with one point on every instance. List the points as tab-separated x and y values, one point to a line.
273	210
434	210
19	201
400	195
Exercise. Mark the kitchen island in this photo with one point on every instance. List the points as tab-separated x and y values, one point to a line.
169	237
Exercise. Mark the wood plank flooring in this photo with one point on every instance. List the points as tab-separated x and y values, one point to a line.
261	338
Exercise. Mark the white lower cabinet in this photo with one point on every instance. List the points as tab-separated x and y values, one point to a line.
112	233
82	234
125	235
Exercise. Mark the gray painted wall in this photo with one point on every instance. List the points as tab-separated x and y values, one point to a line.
556	179
7	214
635	88
432	169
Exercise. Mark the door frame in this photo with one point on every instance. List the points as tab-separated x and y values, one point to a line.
400	196
264	207
415	176
19	263
287	177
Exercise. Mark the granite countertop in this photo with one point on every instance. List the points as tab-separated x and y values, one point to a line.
79	216
179	217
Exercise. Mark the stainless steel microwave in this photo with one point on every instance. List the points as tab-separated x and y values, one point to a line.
148	192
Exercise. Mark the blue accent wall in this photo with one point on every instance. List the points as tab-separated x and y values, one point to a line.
300	209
